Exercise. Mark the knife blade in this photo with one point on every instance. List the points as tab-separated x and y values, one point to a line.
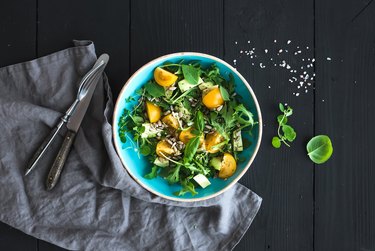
73	126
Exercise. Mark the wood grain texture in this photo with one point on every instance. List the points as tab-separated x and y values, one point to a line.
104	22
345	104
283	177
17	31
166	26
17	44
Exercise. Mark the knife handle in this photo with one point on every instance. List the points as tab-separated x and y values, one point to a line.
58	164
43	147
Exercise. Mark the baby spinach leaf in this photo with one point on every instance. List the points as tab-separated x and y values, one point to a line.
319	149
224	93
154	89
191	74
199	121
281	107
190	149
145	150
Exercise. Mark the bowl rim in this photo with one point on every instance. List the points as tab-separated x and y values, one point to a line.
248	164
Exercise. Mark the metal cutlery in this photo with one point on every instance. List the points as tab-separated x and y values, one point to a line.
72	118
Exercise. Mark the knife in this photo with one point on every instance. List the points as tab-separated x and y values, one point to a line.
73	126
82	91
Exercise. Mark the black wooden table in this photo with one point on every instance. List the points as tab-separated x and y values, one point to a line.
306	206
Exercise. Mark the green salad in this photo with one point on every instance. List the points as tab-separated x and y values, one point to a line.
189	123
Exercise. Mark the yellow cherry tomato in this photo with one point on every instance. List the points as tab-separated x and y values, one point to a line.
171	121
212	140
153	112
213	98
163	77
228	166
163	147
186	135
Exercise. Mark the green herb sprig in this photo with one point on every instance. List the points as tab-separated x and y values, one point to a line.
287	132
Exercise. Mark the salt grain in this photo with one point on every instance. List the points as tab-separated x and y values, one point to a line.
288	42
265	51
329	59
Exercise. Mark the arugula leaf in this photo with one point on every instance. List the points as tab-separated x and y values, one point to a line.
224	93
191	148
153	173
244	116
199	122
174	175
154	89
191	74
187	187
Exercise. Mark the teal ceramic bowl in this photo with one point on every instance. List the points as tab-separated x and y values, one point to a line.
137	166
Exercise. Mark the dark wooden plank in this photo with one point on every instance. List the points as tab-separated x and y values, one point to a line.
345	187
17	32
106	23
165	26
283	177
14	240
17	44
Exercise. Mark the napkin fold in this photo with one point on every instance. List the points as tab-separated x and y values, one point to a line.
96	205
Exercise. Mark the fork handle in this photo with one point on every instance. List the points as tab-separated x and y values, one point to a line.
58	164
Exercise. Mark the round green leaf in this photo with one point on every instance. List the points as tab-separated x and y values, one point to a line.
289	132
319	149
281	119
276	142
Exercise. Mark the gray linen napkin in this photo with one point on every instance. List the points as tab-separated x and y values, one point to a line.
96	205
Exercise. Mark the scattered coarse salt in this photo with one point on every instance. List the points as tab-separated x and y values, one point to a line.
248	41
322	100
288	42
306	91
275	41
329	59
280	50
313	60
269	87
262	66
297	94
288	66
235	42
307	47
265	51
